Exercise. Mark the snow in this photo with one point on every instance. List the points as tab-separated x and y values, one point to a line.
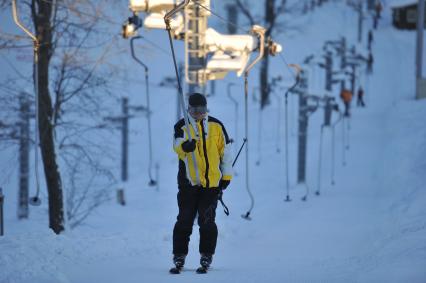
369	227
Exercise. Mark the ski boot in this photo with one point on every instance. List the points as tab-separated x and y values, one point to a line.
205	261
179	262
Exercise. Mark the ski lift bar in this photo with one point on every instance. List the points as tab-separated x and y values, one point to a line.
15	17
260	31
36	201
167	18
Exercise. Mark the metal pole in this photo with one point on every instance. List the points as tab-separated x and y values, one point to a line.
33	200
259	137
353	78
419	46
167	18
194	44
179	97
360	16
157	176
318	192
303	131
24	139
333	147
124	138
261	34
344	141
328	71
1	212
151	179
279	125
343	54
247	215
287	181
333	137
236	116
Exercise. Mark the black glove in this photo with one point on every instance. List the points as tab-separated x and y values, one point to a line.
223	184
188	146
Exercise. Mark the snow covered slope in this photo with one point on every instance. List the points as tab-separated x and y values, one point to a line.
369	227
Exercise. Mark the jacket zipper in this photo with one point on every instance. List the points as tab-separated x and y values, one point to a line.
205	154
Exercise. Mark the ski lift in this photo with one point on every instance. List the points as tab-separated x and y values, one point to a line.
231	52
129	28
221	63
216	41
156	21
152	6
157	9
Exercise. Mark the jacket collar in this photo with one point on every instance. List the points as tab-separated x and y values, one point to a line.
205	125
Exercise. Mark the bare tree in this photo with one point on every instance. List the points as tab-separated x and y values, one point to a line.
71	88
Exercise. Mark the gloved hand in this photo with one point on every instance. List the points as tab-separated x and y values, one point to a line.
223	184
188	146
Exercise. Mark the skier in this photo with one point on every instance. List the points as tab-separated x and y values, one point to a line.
370	61
378	9
360	97
346	96
370	39
211	147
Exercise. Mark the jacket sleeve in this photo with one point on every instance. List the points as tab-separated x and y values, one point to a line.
179	137
225	156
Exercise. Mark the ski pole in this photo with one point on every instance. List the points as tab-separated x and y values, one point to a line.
220	195
152	182
167	19
238	154
220	199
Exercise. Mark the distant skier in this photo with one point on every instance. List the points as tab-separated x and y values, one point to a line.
346	97
378	8
360	97
370	61
370	39
211	147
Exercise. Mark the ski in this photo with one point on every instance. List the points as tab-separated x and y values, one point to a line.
202	270
175	270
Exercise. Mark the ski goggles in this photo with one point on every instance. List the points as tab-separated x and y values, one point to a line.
197	109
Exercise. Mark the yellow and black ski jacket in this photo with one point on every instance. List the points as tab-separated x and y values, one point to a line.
212	153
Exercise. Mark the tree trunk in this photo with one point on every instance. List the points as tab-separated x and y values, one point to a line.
270	18
41	17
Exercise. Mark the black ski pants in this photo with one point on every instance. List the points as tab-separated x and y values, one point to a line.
193	200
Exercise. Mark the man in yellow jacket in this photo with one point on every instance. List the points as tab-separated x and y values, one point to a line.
199	186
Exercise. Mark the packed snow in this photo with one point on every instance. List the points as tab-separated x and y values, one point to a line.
369	227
